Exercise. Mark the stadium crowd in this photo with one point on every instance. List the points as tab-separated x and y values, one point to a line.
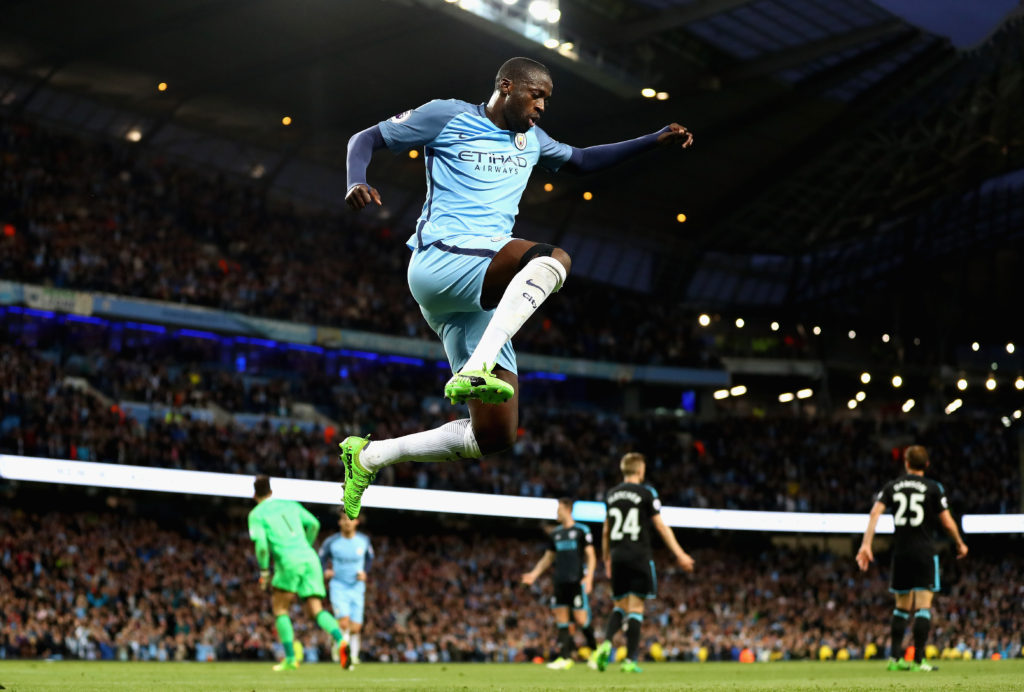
120	587
791	464
105	217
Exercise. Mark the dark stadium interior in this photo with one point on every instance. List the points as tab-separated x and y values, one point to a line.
182	287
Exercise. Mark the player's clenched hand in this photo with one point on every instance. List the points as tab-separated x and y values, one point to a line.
865	557
265	579
676	136
608	567
961	550
361	196
528	578
360	576
588	584
686	562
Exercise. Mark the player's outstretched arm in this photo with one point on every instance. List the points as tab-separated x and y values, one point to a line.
949	524
360	150
588	578
530	577
601	156
669	536
864	556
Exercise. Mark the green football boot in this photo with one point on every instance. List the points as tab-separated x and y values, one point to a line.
602	655
897	664
922	667
286	665
478	384
357	478
630	667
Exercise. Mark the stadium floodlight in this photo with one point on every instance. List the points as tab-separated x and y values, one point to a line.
816	330
1016	414
851	404
510	2
961	384
661	96
1019	382
885	338
975	346
786	397
740	323
775	326
539	9
907	405
1006	421
861	396
805	394
897	381
865	377
721	394
738	390
551	43
953	406
162	86
133	135
553	16
852	334
1010	347
704	320
990	384
648	92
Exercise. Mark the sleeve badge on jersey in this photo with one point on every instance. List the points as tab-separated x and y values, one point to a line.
520	141
400	117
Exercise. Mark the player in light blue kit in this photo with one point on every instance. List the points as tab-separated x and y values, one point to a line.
346	558
476	285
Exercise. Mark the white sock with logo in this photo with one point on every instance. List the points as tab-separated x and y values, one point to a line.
541	277
354	642
450	442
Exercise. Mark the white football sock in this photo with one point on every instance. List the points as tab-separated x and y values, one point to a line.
353	644
541	277
452	441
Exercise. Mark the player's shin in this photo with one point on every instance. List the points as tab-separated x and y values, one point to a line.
614	624
634	622
286	635
329	625
452	441
922	626
898	626
541	277
564	640
588	634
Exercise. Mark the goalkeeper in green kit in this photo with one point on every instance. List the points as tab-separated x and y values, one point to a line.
286	530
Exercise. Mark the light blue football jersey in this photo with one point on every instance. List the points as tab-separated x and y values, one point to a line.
476	172
348	556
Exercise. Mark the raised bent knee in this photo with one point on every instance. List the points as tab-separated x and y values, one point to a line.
495	440
563	258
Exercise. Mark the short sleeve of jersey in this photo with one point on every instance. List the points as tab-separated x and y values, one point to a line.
369	548
655	502
885	495
553	155
941	502
587	536
257	532
418	127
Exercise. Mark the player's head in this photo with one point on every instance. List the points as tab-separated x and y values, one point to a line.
523	87
916	458
346	525
565	509
633	464
261	487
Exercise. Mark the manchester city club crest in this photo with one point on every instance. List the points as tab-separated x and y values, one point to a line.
520	141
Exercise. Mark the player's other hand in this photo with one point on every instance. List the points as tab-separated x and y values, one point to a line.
676	136
686	562
361	196
961	550
865	557
608	567
588	584
265	579
360	575
528	578
328	574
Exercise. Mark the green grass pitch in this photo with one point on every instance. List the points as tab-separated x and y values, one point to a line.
25	676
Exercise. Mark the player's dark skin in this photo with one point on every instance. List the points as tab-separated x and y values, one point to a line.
514	106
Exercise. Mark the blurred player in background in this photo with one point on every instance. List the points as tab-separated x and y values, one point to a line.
476	285
572	552
634	514
920	508
347	557
286	530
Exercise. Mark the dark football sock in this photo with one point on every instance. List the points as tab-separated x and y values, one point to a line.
900	618
922	625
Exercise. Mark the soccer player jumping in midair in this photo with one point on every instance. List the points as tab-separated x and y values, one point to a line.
476	285
920	507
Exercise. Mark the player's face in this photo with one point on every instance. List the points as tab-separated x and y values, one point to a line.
347	524
564	512
526	102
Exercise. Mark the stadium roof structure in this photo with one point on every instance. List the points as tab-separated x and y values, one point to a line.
824	128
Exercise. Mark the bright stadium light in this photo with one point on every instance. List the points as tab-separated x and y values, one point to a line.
1019	382
775	326
1006	421
816	330
162	86
553	16
990	384
865	377
852	334
885	338
721	393
551	43
907	405
1010	347
861	396
1016	414
786	397
738	390
539	9
661	96
648	92
681	218
740	323
805	394
133	135
961	384
851	404
510	2
953	406
975	346
704	320
897	381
